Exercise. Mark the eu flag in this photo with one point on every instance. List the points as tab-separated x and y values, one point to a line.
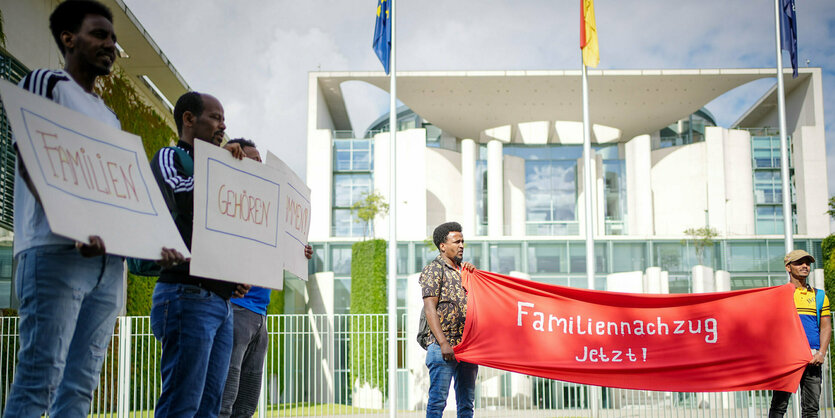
382	33
788	31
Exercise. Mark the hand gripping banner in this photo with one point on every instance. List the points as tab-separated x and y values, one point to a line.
710	342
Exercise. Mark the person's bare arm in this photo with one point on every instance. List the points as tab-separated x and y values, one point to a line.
430	309
826	334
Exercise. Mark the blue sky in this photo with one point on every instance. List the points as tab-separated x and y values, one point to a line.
255	55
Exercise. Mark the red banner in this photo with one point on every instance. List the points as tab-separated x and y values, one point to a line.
710	342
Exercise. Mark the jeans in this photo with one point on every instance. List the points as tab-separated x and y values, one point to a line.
243	385
68	308
195	328
440	374
810	392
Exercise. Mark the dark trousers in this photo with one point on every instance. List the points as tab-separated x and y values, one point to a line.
243	383
810	393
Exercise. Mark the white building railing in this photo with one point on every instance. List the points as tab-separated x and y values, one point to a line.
309	372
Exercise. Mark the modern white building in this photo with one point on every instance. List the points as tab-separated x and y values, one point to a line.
501	152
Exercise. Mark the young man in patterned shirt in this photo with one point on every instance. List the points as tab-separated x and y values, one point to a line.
445	307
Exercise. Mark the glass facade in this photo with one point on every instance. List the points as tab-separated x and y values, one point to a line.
481	190
768	184
551	188
751	263
614	189
353	165
686	131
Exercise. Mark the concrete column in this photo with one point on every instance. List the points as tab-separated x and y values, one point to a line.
469	155
665	282
703	281
520	275
723	281
319	299
418	390
320	180
739	183
817	279
581	195
599	196
716	197
495	189
639	186
629	282
653	281
514	196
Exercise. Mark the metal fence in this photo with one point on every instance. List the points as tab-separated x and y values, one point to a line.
315	361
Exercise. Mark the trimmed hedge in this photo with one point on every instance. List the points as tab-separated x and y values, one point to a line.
369	339
827	245
139	294
829	280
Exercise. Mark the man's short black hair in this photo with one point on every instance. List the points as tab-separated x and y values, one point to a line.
188	102
443	230
69	16
243	142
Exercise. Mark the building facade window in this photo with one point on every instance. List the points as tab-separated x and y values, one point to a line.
686	131
481	191
614	190
768	184
551	188
353	167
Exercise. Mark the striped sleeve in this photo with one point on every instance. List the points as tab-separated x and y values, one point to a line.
825	311
172	173
42	82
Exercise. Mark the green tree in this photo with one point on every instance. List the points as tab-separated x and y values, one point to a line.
368	208
831	211
2	32
700	238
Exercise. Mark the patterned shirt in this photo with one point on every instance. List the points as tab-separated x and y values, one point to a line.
443	281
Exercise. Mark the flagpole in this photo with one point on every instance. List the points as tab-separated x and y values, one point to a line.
392	254
784	162
587	182
784	156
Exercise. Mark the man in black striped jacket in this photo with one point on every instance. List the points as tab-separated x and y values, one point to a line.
191	316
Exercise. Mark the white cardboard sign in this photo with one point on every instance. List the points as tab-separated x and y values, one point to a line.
236	235
294	217
92	178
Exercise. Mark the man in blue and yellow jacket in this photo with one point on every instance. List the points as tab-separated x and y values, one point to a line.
813	309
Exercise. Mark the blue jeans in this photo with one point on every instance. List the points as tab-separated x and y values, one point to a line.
440	374
68	308
195	328
810	394
246	367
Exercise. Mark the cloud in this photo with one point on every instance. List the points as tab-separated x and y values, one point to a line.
256	55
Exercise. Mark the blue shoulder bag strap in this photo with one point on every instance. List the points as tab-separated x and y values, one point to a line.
819	295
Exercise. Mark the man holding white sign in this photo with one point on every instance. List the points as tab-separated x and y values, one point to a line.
191	316
70	292
246	366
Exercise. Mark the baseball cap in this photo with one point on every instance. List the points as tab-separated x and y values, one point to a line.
797	255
